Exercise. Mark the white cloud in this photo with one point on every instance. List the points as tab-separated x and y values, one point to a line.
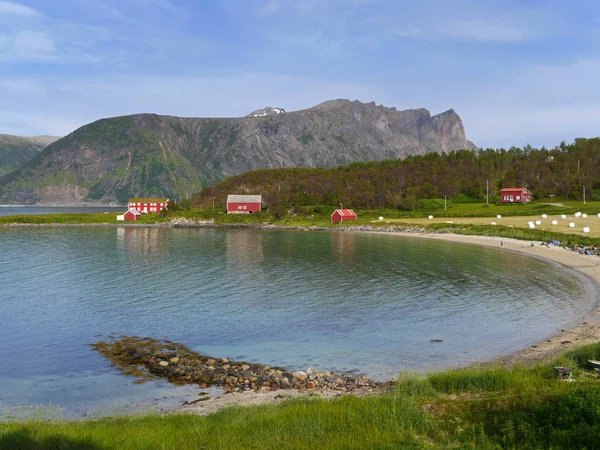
268	8
17	9
484	30
410	32
34	43
27	46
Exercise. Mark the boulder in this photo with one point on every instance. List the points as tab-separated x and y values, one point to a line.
299	375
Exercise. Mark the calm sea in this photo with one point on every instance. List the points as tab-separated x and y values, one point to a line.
9	210
331	300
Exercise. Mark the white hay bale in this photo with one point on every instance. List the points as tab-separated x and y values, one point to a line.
430	217
380	218
538	222
555	222
564	217
544	216
598	214
449	221
510	226
493	223
577	214
531	225
584	216
586	229
500	217
572	225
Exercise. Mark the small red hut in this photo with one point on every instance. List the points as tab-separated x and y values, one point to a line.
243	204
131	214
515	195
341	215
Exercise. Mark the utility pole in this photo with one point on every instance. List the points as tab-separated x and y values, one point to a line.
214	202
487	192
444	204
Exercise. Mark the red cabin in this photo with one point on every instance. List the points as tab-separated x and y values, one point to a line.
243	204
148	205
131	214
341	215
515	195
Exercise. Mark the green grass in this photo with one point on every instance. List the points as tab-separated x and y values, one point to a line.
477	407
307	216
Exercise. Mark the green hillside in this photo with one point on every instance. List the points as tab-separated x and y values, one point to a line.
562	172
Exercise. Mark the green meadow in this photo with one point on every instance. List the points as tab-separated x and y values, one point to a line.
482	407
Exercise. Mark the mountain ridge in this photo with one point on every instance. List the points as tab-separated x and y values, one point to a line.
113	159
17	150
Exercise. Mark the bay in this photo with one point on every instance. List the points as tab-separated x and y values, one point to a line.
350	302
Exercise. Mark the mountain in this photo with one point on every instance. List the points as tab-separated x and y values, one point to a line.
111	160
266	111
16	150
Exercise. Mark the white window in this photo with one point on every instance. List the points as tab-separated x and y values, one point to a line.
518	197
162	204
245	207
239	207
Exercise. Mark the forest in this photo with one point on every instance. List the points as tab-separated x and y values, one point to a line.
568	171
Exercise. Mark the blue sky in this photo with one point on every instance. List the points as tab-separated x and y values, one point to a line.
517	72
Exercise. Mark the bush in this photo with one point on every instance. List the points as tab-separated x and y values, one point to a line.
433	203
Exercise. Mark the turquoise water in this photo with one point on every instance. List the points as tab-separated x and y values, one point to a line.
367	303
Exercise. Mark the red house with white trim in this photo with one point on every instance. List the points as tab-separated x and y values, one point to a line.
515	195
148	205
243	204
342	215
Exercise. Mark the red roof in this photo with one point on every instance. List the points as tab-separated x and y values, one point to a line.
514	189
346	212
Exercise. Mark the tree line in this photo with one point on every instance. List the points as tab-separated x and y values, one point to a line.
564	171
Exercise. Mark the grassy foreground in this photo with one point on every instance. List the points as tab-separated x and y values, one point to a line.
480	407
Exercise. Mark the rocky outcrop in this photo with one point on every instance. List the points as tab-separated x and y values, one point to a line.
111	160
146	358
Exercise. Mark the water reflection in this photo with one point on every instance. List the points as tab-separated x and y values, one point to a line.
139	242
244	249
343	246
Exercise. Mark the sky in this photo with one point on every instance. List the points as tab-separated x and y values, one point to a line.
517	71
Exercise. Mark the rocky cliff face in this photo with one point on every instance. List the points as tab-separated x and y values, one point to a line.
114	159
16	150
